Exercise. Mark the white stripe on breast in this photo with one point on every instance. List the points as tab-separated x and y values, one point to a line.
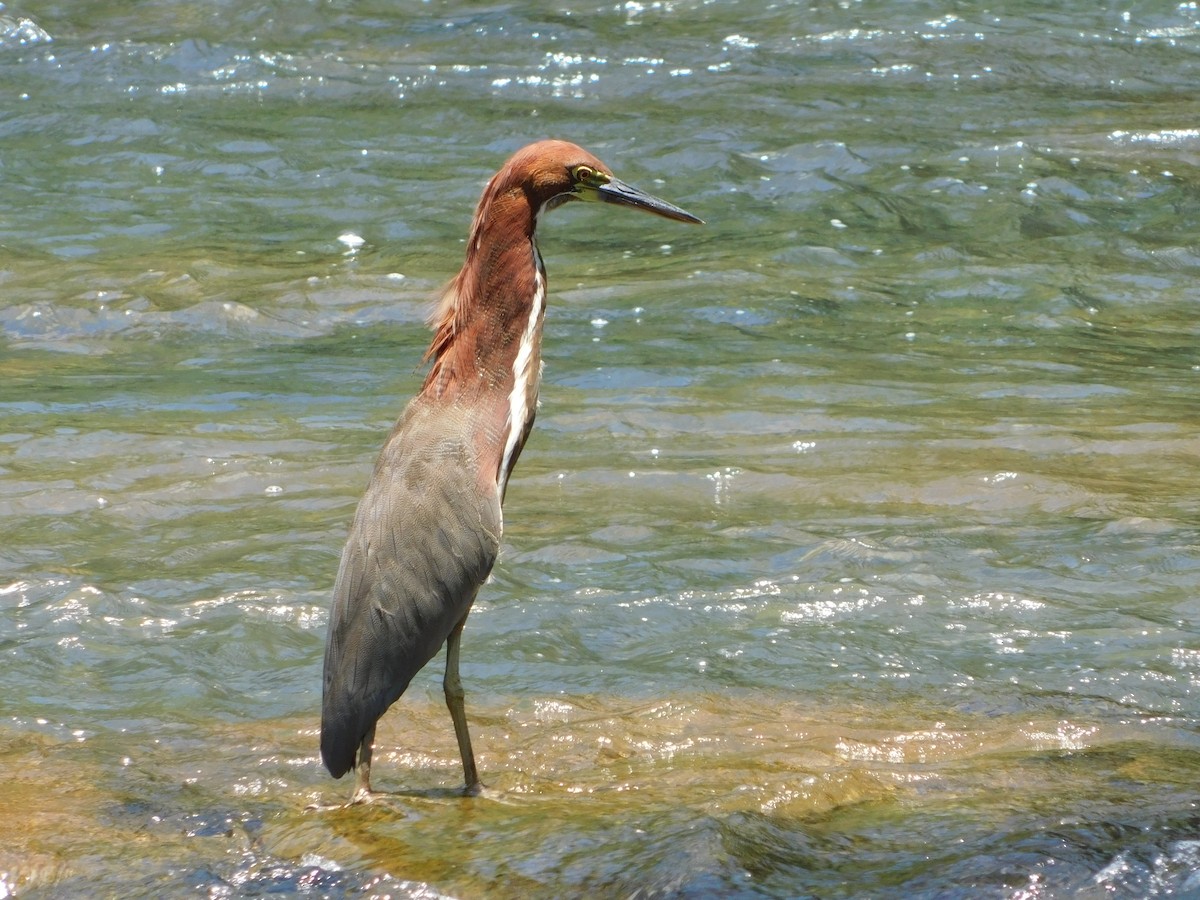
523	376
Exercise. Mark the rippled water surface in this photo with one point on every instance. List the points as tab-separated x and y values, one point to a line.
855	551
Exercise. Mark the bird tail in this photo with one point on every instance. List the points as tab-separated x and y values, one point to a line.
340	733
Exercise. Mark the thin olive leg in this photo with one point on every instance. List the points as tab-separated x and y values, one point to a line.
452	684
362	769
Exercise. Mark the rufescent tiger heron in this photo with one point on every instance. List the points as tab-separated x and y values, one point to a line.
427	531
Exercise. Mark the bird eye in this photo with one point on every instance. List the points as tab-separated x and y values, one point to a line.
583	173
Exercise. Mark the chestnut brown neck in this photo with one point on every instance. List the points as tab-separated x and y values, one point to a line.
486	348
486	308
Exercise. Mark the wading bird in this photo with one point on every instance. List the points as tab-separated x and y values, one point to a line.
427	531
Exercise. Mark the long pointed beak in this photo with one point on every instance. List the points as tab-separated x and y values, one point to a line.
622	194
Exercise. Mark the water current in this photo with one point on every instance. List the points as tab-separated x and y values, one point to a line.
855	550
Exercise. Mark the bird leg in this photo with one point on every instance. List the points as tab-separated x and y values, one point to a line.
455	695
362	769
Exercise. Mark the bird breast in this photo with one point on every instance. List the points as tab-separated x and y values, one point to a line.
526	371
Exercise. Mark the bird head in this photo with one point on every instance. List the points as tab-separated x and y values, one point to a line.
555	172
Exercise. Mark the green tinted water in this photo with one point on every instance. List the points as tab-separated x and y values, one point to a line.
854	552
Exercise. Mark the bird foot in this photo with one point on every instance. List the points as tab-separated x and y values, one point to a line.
483	792
323	807
363	795
474	790
360	797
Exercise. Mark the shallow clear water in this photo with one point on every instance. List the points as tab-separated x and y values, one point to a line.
855	551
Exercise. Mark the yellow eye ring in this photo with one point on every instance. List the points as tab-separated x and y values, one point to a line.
583	173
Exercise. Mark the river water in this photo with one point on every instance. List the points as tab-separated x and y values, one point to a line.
855	551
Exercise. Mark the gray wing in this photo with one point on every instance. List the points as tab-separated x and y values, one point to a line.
424	539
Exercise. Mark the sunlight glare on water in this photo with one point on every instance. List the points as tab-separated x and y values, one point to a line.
855	549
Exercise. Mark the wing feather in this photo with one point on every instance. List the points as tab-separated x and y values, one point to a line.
424	539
